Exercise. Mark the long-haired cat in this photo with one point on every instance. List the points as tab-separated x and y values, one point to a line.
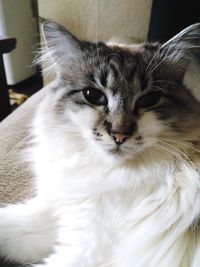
116	159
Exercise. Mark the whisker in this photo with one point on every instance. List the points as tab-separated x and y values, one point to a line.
164	81
179	150
159	88
186	144
175	154
155	67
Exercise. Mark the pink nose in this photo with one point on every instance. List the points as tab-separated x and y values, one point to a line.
119	137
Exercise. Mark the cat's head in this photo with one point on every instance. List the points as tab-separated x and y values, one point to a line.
123	100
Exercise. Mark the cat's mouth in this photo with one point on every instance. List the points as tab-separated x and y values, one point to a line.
115	150
121	150
126	152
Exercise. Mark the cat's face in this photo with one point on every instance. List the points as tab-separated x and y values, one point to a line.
122	100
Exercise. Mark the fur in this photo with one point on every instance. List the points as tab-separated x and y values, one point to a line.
100	203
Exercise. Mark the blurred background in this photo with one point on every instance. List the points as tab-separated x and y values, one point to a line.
140	20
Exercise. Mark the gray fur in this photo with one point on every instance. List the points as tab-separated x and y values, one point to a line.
125	74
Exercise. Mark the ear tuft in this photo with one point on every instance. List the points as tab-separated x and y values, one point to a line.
62	47
183	45
173	57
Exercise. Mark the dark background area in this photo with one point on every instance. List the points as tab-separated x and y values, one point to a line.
168	17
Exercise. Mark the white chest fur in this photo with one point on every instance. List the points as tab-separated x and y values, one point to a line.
133	213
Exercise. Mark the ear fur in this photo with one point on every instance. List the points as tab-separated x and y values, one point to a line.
174	56
182	49
61	46
183	45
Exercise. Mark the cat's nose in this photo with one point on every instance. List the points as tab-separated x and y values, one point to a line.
119	138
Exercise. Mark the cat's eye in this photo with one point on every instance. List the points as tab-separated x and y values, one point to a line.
148	100
95	97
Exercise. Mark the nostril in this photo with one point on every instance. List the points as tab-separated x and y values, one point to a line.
119	138
122	133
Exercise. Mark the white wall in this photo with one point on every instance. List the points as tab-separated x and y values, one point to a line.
16	21
100	18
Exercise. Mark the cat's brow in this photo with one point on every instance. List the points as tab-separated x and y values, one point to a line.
113	70
72	92
103	77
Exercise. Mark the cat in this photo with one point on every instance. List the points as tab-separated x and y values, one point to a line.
115	153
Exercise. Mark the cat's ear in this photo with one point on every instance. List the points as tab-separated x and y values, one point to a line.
183	45
62	46
182	48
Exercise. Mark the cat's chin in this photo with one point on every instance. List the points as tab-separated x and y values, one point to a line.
114	155
119	157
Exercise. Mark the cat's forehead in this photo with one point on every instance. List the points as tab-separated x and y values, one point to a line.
114	66
115	58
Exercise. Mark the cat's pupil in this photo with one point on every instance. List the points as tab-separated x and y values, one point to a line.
148	100
95	97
